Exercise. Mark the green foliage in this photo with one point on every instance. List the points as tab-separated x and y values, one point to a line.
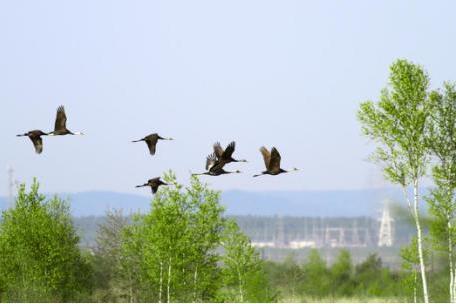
39	255
317	277
243	271
397	123
170	254
342	275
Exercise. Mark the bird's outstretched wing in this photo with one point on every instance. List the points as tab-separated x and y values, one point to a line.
151	142
154	188
218	150
266	156
229	150
37	143
210	161
60	119
274	163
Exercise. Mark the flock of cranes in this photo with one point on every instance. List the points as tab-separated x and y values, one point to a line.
214	161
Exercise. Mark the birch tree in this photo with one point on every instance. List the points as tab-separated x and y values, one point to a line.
397	124
177	244
243	272
40	260
442	144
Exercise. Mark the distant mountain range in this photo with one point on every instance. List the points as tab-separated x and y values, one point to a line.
347	203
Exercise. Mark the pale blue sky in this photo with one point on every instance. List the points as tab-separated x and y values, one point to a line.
284	73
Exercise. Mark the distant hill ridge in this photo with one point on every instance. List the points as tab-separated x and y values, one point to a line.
337	203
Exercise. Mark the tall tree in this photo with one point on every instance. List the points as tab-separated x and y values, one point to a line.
397	124
174	247
39	254
316	276
442	144
107	255
342	274
243	271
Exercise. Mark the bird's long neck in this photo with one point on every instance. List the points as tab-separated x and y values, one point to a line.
139	186
256	175
25	134
240	160
142	139
204	173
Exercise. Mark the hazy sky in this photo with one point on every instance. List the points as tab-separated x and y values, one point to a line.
284	73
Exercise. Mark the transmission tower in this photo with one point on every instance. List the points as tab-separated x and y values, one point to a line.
385	237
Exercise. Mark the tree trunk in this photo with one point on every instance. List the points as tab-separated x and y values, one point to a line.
241	291
195	278
131	287
160	290
169	280
450	260
414	286
419	240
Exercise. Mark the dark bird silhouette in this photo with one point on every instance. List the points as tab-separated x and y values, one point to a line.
225	156
214	167
153	183
35	137
60	124
151	141
272	162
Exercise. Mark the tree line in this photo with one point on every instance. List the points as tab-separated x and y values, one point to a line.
183	250
414	129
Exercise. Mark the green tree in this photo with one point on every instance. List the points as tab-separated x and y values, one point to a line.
39	255
172	251
243	271
106	259
374	280
442	201
292	274
342	274
397	123
316	276
411	266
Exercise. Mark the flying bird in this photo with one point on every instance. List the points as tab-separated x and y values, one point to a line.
60	124
35	137
214	167
225	156
151	141
272	162
153	183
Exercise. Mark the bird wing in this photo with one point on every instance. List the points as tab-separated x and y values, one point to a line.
266	156
229	150
274	163
151	142
153	181
218	150
213	164
154	188
37	143
210	161
60	119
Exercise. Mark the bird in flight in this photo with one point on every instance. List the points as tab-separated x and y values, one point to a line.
153	183
35	137
60	124
214	167
151	141
272	162
225	156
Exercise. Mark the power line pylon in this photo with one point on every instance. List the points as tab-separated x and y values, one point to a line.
385	236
